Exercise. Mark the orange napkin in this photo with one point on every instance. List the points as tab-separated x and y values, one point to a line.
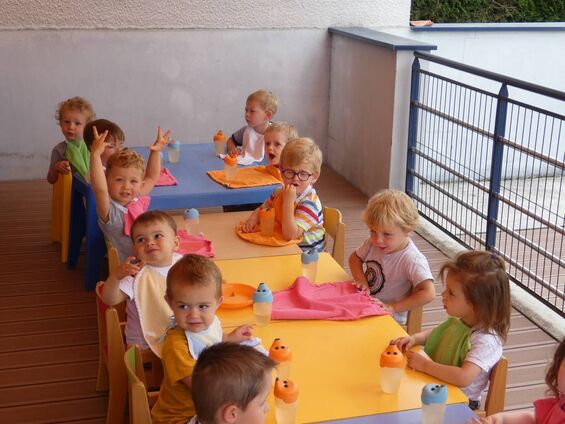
253	176
276	239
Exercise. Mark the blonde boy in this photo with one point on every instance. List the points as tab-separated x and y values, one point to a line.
231	385
396	272
120	185
276	136
260	107
72	115
194	293
297	206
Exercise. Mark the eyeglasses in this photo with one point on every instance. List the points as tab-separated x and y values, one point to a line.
289	174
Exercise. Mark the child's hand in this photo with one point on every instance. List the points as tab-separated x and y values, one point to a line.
99	142
288	194
250	226
416	360
63	167
131	266
161	141
241	333
404	343
232	149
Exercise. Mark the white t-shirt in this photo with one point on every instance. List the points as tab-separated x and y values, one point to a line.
391	276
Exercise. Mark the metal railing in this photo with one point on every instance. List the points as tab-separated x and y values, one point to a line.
488	168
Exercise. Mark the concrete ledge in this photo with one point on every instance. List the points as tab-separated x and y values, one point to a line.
381	39
545	318
503	26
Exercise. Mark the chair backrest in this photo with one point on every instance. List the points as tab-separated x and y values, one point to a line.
496	393
61	212
113	257
138	396
414	321
335	227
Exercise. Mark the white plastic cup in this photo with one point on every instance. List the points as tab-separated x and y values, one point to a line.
174	151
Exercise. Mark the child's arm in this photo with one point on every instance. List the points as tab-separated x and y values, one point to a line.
250	226
97	176
153	169
405	343
290	230
458	376
232	148
356	267
112	295
60	167
187	381
241	333
423	293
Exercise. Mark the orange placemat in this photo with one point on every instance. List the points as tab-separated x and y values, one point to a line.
253	176
276	239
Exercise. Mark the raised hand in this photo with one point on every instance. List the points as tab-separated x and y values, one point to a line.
131	266
99	142
161	141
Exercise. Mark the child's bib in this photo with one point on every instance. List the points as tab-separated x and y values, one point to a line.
197	342
449	342
78	156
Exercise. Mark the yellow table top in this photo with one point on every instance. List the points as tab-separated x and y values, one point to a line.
220	229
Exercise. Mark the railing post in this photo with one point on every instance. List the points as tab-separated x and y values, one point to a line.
412	126
496	166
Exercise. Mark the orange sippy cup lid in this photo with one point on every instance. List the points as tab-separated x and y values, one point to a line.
230	160
220	136
266	213
280	352
392	357
286	390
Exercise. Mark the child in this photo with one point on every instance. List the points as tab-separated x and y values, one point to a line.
297	206
115	138
465	347
72	115
276	136
547	411
194	293
231	385
155	242
122	187
396	272
260	107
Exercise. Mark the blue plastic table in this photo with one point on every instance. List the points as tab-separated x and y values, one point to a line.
195	190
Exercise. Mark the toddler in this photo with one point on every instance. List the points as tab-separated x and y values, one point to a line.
465	347
547	411
231	385
276	136
154	234
122	189
396	272
260	107
71	154
298	209
194	293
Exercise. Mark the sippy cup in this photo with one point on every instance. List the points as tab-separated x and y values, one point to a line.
220	142
191	221
283	355
286	401
310	264
174	151
392	369
267	221
434	397
230	168
262	304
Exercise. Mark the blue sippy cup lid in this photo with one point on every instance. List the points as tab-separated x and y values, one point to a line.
309	257
191	213
263	294
434	393
175	144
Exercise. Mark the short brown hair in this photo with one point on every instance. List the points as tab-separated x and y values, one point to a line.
553	370
391	207
76	103
228	374
150	217
485	286
194	270
126	158
102	125
283	127
266	100
302	150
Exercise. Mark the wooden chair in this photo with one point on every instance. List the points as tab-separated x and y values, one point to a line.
414	321
113	257
140	400
335	227
61	213
496	393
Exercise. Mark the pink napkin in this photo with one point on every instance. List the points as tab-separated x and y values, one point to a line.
166	178
135	208
332	301
194	244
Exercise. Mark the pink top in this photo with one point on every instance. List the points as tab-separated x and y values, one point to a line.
135	208
550	411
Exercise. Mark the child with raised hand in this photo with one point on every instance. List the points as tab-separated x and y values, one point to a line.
194	293
155	243
260	107
122	185
231	385
71	154
276	136
297	206
396	272
546	411
464	348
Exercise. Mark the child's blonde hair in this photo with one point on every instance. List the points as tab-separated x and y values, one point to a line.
194	270
76	103
553	370
486	287
391	207
302	150
126	158
283	127
266	100
150	217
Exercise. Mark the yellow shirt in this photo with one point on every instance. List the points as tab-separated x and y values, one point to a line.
175	399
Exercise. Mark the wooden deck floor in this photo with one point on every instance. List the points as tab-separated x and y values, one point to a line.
48	334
